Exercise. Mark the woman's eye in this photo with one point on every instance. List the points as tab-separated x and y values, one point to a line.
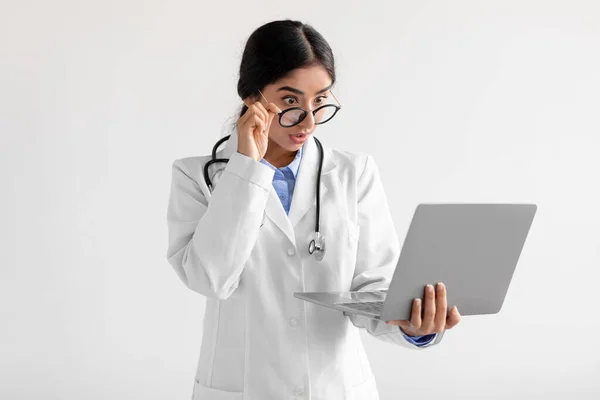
289	100
321	99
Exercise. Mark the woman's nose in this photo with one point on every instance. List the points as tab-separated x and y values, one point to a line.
308	123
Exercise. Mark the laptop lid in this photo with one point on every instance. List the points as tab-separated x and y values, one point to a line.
472	248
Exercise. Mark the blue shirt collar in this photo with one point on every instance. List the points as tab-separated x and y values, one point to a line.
293	166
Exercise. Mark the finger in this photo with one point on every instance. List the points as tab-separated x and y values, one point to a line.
429	313
259	110
453	319
441	308
262	110
415	318
258	123
272	112
247	116
242	120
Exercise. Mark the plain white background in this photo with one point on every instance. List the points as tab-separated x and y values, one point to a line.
462	101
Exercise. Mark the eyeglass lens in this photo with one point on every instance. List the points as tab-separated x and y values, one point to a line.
293	117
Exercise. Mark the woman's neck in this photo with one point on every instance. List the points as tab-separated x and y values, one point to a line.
277	156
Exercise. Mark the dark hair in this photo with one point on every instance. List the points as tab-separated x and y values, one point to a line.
275	49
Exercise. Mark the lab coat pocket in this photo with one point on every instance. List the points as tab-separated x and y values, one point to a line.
202	392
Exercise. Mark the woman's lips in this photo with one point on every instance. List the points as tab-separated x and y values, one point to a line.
299	138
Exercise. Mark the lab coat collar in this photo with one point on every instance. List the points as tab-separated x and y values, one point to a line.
304	197
309	147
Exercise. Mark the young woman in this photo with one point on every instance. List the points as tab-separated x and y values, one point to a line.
243	234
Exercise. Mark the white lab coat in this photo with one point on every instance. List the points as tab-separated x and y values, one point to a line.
238	248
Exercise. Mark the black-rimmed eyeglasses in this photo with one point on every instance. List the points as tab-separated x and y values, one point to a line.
295	115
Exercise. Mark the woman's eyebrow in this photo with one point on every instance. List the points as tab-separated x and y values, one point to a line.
300	92
291	89
324	90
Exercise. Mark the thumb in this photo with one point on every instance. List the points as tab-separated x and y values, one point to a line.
270	119
273	108
401	323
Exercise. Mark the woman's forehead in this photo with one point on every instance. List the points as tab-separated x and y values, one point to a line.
309	80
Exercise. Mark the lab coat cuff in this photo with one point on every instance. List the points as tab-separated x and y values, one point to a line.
419	340
250	170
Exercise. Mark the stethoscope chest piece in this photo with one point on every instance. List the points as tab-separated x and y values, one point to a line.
317	246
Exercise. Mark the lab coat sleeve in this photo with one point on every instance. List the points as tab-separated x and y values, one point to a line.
210	241
378	252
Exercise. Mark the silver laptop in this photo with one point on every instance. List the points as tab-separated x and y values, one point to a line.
472	248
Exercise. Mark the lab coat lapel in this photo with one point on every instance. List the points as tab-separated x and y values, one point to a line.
305	192
274	209
276	213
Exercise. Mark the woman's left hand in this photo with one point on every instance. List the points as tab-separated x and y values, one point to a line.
435	318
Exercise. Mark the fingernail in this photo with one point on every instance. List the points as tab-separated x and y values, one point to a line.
440	285
430	288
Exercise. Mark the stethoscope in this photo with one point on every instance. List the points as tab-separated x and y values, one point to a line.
317	245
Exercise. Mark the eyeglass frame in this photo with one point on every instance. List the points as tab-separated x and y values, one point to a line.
337	108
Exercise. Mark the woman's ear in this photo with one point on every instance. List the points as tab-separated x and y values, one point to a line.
248	101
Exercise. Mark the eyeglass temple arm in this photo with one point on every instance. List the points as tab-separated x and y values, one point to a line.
336	99
263	96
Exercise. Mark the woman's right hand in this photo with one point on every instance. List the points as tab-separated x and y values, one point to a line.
253	129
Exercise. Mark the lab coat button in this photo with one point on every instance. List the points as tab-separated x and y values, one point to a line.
291	252
298	392
293	322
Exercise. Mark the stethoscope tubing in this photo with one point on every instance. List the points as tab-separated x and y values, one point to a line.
318	243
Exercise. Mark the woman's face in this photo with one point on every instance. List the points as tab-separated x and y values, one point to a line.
303	87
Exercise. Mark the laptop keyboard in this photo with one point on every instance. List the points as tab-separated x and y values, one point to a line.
374	307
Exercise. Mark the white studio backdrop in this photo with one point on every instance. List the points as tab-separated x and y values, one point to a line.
462	101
